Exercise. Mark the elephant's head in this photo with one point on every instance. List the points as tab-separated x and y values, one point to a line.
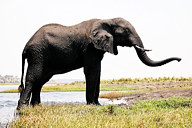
108	34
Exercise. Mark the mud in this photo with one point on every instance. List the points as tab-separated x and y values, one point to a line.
160	90
158	94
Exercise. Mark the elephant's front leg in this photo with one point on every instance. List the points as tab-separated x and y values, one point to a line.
92	75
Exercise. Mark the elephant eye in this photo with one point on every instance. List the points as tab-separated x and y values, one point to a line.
119	30
127	30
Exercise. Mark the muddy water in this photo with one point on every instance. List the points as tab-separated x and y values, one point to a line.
8	101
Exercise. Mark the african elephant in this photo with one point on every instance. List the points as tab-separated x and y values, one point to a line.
56	49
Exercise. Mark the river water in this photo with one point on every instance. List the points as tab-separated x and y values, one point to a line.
8	101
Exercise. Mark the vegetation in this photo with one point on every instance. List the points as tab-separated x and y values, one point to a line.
166	112
69	87
122	84
149	79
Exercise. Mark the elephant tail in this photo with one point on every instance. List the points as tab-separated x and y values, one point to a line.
21	87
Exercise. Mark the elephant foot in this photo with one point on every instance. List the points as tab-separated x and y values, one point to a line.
93	103
21	105
98	104
17	113
35	103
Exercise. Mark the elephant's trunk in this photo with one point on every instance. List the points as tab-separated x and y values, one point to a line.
141	52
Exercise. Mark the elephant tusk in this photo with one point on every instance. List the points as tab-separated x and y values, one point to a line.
147	50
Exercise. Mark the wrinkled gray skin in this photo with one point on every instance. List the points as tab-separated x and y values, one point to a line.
56	49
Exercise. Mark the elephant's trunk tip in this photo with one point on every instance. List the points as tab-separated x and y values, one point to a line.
178	59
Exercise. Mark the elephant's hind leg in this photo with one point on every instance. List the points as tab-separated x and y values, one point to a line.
34	72
25	96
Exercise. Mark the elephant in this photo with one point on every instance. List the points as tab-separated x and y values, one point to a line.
56	49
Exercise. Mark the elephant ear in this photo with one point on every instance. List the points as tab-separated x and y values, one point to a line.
102	38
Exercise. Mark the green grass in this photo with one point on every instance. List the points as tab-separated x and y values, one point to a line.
166	104
166	112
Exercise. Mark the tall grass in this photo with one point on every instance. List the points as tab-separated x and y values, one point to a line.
149	79
167	112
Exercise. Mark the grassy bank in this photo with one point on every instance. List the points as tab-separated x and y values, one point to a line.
166	112
76	87
120	84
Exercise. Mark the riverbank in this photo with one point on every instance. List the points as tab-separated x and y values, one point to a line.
122	84
164	112
152	103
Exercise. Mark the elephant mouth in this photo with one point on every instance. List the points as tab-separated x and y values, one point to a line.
142	49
